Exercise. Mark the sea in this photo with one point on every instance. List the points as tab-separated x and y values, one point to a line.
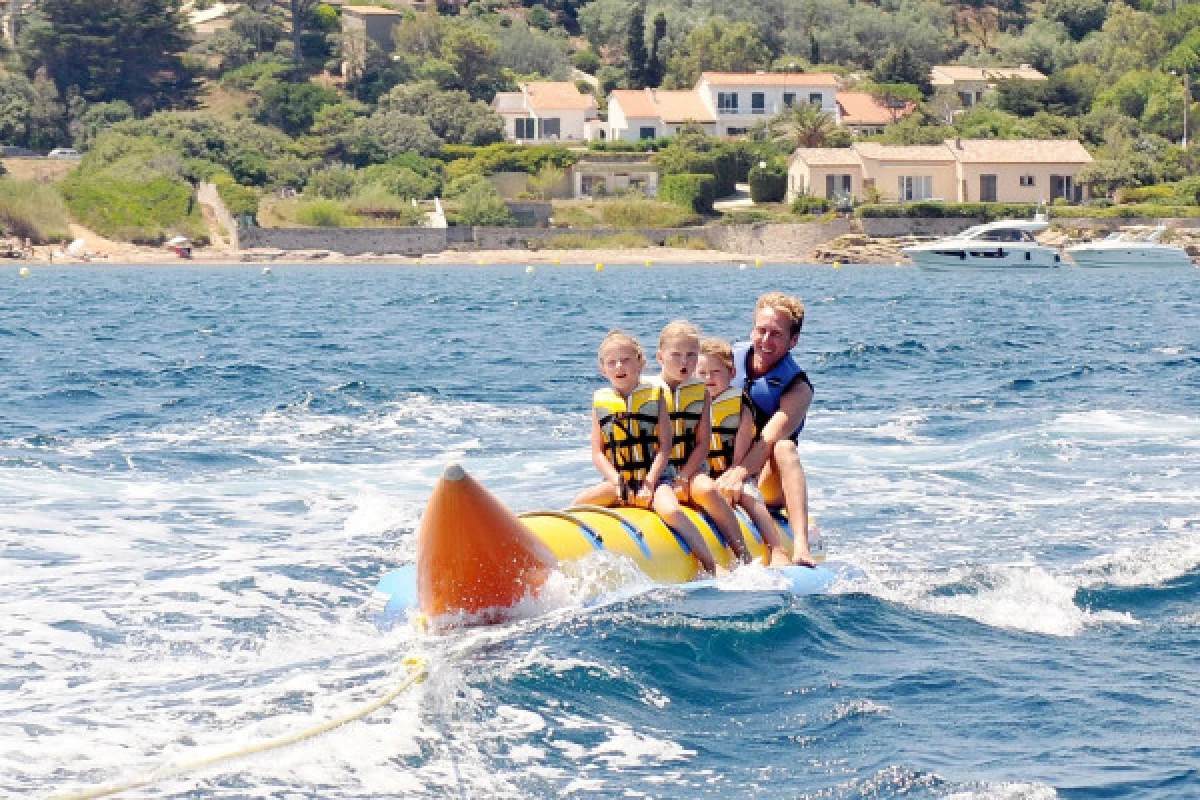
204	471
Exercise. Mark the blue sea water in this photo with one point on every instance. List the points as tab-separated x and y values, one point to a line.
204	471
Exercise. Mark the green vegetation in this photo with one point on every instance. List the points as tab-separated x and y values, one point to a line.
694	191
33	211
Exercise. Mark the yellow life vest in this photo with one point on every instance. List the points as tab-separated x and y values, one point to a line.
726	415
685	404
630	428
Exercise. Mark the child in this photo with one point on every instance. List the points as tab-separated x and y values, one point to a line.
732	432
688	403
631	443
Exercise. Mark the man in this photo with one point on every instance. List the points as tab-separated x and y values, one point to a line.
778	394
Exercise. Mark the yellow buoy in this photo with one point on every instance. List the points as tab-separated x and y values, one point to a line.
837	265
599	267
757	263
558	261
479	261
649	262
24	272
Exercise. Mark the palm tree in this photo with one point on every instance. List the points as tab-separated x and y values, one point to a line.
801	125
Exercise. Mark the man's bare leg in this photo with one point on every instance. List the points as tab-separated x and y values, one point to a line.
783	483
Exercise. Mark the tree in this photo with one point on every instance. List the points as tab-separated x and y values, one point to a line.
656	68
113	49
472	54
299	10
97	119
901	65
717	45
452	115
291	107
801	126
1080	17
895	97
387	134
481	205
635	49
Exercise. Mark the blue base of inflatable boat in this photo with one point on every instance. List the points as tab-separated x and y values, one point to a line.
396	593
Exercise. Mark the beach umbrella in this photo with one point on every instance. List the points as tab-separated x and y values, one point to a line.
177	241
76	247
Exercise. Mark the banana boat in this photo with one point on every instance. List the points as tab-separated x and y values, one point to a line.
476	559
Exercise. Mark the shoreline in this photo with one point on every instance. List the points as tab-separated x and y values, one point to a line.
648	256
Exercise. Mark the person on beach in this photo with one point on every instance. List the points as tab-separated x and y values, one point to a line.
732	435
778	395
631	444
689	407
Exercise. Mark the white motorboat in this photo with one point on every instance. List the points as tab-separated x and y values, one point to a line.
1130	248
1007	244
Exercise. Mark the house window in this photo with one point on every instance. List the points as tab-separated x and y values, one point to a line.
967	99
758	103
789	99
727	102
647	132
1062	186
837	187
550	127
526	128
987	188
815	99
735	131
1028	180
915	187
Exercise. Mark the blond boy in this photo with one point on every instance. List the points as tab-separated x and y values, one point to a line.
732	434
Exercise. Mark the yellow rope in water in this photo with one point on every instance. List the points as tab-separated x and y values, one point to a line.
417	672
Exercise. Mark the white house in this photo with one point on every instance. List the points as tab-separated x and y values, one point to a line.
635	114
738	100
546	111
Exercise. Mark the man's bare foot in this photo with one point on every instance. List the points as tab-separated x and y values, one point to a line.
803	559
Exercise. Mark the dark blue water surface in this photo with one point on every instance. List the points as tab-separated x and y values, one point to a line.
204	471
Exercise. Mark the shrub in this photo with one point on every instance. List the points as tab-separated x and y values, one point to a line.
934	210
807	204
402	180
1143	194
646	213
1188	191
586	60
240	200
481	205
335	182
32	210
686	242
375	201
693	191
321	214
769	184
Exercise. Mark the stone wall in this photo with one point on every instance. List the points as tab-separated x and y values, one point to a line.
348	241
791	240
907	226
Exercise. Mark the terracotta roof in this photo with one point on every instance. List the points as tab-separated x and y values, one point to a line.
945	74
889	152
861	108
671	106
557	96
781	79
1019	151
827	156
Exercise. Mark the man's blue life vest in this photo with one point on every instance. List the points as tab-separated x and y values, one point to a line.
763	393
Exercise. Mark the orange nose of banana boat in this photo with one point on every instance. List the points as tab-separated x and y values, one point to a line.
473	554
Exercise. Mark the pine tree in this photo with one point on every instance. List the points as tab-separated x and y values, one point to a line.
636	49
111	49
656	68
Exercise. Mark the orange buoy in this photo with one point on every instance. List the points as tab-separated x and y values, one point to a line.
473	554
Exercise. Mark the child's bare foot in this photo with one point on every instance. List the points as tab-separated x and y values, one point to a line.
720	572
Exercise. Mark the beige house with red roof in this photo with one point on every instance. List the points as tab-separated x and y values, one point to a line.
723	103
547	111
862	113
969	84
958	170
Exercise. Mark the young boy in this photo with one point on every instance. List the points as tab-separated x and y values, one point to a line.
688	403
631	443
732	433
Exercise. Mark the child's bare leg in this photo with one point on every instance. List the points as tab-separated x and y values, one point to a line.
602	494
760	515
667	507
705	494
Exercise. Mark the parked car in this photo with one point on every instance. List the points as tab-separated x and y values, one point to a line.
13	151
63	152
